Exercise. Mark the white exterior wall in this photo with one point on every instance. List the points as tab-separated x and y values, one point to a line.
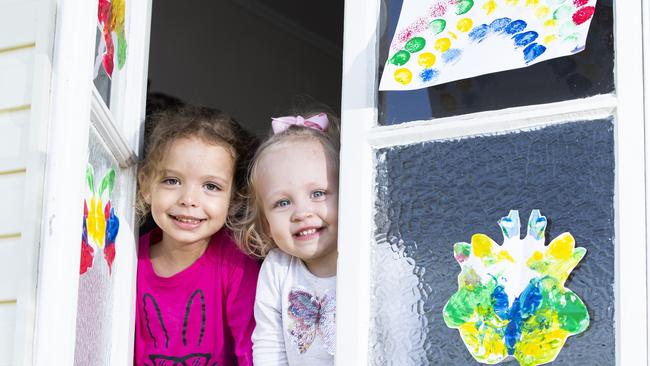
25	29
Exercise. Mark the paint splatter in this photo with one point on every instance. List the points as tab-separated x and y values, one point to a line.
111	16
479	33
464	24
584	14
464	6
452	55
515	27
499	25
112	228
426	59
533	51
442	45
415	44
87	251
400	58
438	25
515	304
525	38
403	75
100	224
563	12
428	74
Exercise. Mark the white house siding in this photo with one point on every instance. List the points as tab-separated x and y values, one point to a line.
24	87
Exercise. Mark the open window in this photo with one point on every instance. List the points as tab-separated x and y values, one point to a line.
86	276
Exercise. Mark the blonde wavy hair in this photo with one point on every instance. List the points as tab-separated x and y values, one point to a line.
209	125
251	231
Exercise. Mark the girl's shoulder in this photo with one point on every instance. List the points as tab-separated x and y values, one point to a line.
278	257
224	250
144	243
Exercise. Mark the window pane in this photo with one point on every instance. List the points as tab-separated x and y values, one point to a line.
102	81
584	74
100	245
435	194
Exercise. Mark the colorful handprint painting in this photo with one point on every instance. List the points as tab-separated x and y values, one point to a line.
511	300
100	223
439	41
111	15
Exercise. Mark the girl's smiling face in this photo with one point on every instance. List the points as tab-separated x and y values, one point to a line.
298	189
190	196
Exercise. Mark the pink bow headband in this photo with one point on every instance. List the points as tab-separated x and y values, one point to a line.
317	122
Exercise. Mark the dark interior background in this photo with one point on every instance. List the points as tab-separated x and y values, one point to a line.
253	59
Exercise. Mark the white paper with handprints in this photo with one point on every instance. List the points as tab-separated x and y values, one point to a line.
439	41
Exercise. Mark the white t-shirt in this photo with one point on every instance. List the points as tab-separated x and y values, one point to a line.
295	313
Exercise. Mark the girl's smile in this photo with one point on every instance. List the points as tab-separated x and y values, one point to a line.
299	192
190	200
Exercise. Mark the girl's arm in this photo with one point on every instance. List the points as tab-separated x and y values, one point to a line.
240	300
268	337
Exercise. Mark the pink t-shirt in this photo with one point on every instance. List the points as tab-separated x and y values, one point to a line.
202	315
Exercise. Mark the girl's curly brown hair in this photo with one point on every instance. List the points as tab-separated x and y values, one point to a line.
209	125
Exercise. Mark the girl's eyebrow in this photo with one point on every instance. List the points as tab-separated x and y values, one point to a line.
274	195
222	179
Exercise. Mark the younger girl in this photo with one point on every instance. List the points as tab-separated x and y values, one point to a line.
293	205
195	289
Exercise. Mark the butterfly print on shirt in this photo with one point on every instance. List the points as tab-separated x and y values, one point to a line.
312	316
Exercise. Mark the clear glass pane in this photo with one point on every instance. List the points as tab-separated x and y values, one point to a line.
584	74
102	81
435	194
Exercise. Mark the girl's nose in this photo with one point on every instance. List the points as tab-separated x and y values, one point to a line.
303	211
188	198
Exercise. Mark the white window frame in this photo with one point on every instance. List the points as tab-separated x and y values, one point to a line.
75	105
360	136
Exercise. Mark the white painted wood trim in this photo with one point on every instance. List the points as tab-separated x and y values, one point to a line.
356	228
133	109
290	26
136	73
58	276
494	122
646	104
630	198
102	120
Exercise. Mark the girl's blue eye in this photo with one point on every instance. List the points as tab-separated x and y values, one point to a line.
171	181
318	194
282	203
212	187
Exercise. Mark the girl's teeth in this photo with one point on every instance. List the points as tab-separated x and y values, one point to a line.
307	232
191	221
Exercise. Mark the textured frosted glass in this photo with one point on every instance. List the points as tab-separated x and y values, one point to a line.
95	301
432	195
